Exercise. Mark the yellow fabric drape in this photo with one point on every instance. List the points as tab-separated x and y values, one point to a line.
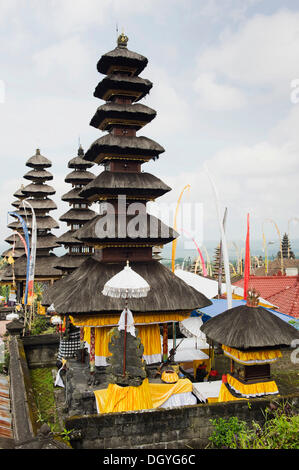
116	399
225	395
102	338
150	338
161	392
149	335
259	388
112	320
252	357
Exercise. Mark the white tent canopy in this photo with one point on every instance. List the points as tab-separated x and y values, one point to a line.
209	287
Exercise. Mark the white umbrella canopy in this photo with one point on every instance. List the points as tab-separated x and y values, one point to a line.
56	320
126	284
12	316
190	327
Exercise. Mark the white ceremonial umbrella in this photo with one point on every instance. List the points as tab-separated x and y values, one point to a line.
12	316
126	284
56	320
190	327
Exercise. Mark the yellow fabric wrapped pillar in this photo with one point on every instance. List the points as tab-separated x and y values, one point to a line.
149	335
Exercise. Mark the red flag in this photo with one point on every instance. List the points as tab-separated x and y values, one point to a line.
247	261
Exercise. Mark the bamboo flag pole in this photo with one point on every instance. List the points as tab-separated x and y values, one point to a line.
174	243
223	239
221	257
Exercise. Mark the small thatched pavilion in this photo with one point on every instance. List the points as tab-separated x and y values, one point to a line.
251	336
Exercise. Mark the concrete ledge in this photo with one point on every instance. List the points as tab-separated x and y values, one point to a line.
181	427
41	350
21	393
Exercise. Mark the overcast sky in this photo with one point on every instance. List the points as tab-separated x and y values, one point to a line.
222	71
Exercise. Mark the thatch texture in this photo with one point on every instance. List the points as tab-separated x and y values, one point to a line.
246	327
44	267
38	190
45	204
69	262
16	254
38	175
129	228
38	161
43	241
123	146
68	239
46	222
79	162
78	177
81	292
80	215
118	83
129	112
73	196
19	193
138	184
123	57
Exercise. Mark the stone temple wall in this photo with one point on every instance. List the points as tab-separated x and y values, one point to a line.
177	428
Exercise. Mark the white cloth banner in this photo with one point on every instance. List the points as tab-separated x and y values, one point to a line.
130	322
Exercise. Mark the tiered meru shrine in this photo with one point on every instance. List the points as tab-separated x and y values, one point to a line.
37	193
77	215
120	232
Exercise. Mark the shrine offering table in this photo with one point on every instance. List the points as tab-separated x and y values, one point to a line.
207	391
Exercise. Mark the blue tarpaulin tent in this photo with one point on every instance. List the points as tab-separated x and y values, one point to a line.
220	305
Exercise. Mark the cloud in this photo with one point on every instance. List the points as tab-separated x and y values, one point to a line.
217	96
257	59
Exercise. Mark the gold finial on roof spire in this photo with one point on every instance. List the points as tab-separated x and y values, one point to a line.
122	40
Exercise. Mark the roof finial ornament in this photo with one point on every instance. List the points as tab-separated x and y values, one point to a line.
252	297
122	40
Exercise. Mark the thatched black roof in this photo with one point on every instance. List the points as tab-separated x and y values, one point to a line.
38	190
79	177
16	203
121	56
6	273
135	114
246	327
73	196
68	239
136	184
116	83
80	215
16	254
70	262
44	267
19	193
110	229
38	175
79	162
38	161
43	241
81	291
46	222
45	204
122	146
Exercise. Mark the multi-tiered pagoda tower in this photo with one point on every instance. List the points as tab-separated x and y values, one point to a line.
17	248
77	215
37	194
123	230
